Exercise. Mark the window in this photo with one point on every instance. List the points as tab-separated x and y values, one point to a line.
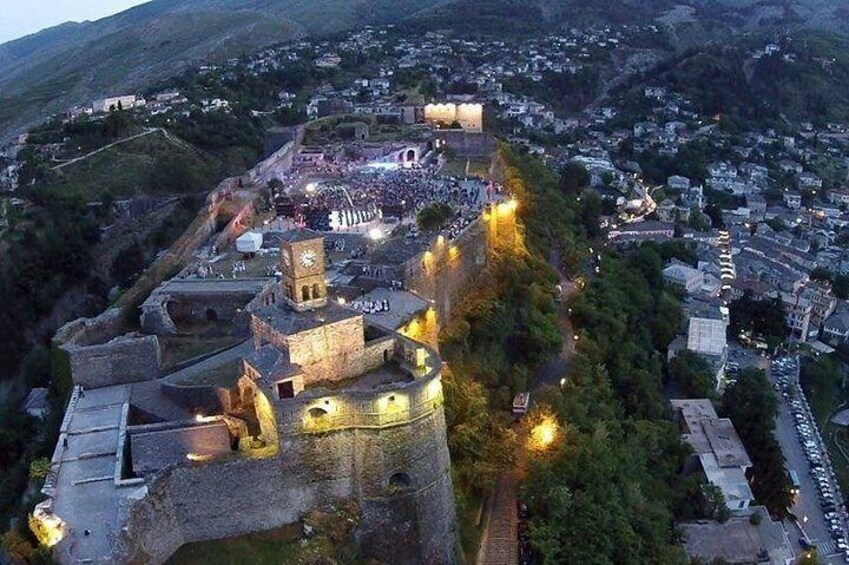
400	481
305	292
316	291
285	389
316	413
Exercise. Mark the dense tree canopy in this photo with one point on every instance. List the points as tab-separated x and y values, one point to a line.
765	318
693	375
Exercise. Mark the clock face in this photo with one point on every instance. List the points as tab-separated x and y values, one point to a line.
308	258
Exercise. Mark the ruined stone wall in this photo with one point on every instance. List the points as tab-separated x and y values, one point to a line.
101	354
126	359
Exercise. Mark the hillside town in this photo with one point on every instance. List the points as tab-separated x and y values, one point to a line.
311	302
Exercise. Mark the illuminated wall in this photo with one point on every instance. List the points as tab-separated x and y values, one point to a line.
444	272
470	116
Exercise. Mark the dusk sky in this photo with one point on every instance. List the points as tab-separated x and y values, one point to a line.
19	18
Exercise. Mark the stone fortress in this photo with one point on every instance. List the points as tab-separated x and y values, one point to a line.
310	404
326	407
239	403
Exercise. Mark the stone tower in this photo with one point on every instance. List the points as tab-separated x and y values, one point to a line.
302	264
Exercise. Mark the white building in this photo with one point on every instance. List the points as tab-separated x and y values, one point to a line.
720	453
114	103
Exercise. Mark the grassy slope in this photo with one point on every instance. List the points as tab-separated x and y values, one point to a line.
125	169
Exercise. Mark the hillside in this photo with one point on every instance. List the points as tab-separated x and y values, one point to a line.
710	16
71	64
805	80
48	72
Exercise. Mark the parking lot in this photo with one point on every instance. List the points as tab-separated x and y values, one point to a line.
818	507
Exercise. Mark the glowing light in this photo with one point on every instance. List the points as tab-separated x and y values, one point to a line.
453	251
341	300
543	434
440	240
311	187
375	234
47	527
204	419
434	388
198	457
392	403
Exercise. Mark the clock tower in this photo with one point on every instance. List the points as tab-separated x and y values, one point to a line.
302	264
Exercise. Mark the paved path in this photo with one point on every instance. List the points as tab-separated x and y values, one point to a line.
86	497
499	545
113	144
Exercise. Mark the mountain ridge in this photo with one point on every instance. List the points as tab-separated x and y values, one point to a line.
68	64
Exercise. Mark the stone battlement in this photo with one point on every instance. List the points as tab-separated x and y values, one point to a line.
321	410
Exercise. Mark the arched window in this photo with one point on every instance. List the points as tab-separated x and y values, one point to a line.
400	481
305	292
411	156
316	291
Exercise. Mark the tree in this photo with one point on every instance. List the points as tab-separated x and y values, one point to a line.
128	265
39	469
574	178
752	406
766	318
693	374
434	217
17	547
698	220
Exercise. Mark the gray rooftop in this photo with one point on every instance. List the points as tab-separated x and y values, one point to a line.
403	306
289	321
738	540
298	235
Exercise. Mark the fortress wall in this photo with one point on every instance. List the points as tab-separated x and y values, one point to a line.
445	271
467	143
100	353
392	512
470	117
190	502
336	351
126	359
198	307
440	113
201	399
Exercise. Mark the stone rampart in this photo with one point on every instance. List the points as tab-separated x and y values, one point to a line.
101	354
400	476
466	143
444	272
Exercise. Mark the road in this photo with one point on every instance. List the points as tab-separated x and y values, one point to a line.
807	506
499	544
